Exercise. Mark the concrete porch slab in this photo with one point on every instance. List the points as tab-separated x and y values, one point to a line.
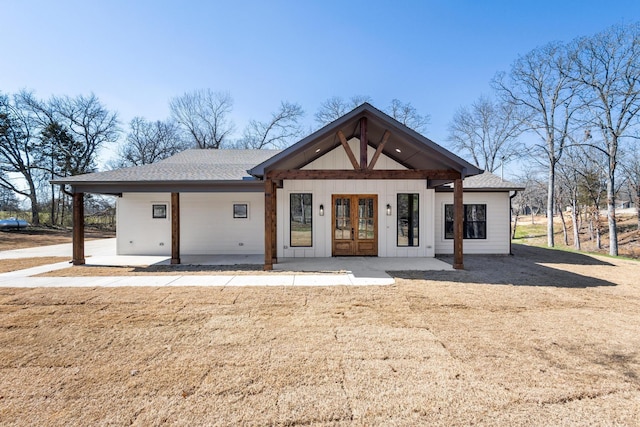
361	266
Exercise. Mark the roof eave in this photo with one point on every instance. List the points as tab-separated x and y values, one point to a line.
445	189
182	186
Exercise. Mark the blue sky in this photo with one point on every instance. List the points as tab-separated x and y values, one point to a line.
136	55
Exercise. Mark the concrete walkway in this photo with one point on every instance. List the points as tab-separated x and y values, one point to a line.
346	271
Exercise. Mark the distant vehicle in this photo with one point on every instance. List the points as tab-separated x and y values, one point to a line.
13	224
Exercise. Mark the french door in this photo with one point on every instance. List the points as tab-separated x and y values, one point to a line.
355	225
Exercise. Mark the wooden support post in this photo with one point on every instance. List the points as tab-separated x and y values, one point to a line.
364	143
458	222
175	228
274	224
268	224
78	229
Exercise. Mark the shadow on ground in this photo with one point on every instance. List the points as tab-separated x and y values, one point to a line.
524	268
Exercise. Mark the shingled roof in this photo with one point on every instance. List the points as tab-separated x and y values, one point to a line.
208	170
486	181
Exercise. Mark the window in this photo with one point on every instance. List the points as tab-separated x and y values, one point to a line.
240	210
159	211
300	220
474	225
408	210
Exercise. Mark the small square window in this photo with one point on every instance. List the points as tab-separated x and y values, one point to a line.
240	210
159	211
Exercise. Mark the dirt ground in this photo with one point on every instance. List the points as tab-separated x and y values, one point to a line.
41	236
541	338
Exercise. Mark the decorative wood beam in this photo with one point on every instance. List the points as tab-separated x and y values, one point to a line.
458	221
175	228
268	224
78	229
384	140
364	143
362	174
346	147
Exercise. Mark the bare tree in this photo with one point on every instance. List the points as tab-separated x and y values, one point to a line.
407	114
148	142
204	117
90	126
538	83
532	200
8	200
590	176
336	107
631	169
579	186
18	154
607	65
277	132
488	131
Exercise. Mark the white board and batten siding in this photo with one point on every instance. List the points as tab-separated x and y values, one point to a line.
207	225
137	232
386	190
498	225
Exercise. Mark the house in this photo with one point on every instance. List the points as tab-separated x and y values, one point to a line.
363	185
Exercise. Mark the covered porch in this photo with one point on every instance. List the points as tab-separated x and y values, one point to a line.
336	165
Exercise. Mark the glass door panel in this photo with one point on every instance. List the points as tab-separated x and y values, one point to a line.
355	225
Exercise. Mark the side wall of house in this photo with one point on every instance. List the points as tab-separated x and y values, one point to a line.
207	224
137	232
498	225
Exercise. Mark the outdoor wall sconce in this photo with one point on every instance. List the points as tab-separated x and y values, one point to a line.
321	210
388	209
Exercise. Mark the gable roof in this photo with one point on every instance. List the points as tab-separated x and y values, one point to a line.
405	146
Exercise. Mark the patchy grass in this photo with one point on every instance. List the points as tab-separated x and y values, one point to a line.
541	338
7	265
536	234
529	231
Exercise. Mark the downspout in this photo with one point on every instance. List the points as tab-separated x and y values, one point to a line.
515	193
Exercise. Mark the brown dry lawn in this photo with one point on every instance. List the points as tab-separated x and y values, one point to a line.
41	236
542	338
7	265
